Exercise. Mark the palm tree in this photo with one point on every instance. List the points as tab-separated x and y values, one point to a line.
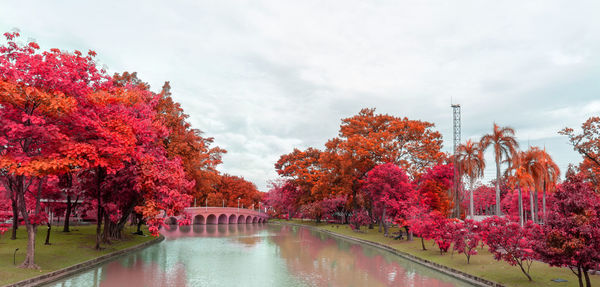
533	166
521	178
505	145
471	164
549	176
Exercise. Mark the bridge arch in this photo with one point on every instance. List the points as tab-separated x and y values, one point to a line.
222	219
171	221
199	219
211	219
220	215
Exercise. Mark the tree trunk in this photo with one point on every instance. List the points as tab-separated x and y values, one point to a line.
588	283
471	204
15	224
67	214
456	183
108	229
520	205
536	214
579	276
370	213
532	208
544	203
523	269
385	227
48	234
498	207
100	173
31	228
114	230
30	255
139	225
99	214
423	243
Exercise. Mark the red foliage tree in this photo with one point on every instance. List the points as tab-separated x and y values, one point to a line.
435	226
484	199
434	186
333	206
283	198
509	241
443	232
359	218
39	99
423	226
391	192
466	238
572	232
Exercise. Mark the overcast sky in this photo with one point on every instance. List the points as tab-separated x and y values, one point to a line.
263	77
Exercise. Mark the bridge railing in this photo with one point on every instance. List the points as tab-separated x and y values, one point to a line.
228	207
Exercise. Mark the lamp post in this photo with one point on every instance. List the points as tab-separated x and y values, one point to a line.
223	202
238	204
206	204
15	257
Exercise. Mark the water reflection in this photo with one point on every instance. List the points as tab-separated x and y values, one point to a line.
339	263
258	255
172	232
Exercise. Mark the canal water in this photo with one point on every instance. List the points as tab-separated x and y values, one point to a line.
258	255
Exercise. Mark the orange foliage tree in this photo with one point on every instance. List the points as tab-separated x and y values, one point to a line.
587	143
364	141
198	157
233	190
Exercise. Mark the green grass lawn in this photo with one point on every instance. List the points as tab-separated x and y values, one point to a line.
66	249
482	265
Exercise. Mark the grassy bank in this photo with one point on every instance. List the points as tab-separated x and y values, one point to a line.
482	265
66	249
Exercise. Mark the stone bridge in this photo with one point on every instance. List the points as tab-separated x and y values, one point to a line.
221	215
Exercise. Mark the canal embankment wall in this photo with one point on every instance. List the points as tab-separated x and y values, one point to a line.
83	266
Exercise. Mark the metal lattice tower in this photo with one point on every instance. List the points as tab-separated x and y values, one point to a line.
456	112
455	189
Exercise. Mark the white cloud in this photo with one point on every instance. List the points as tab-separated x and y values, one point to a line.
263	77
